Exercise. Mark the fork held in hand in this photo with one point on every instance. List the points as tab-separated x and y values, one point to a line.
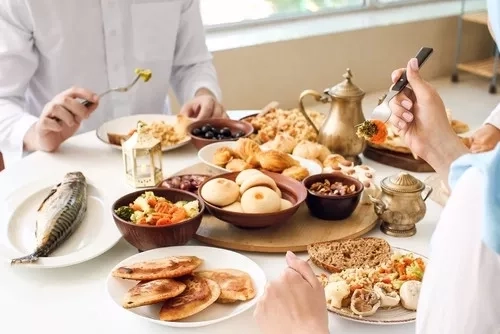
124	89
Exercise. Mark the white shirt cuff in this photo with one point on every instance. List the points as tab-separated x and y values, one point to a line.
23	124
494	117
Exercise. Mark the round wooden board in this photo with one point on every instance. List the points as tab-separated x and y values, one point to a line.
294	235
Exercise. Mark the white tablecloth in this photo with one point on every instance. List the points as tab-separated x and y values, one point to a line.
74	300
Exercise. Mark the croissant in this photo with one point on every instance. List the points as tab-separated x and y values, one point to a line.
298	173
309	150
246	148
223	155
237	165
276	161
283	142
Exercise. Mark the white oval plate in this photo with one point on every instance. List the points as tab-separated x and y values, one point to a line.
206	154
213	258
96	235
124	124
394	316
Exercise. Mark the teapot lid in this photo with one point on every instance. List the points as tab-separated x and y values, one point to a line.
402	183
346	88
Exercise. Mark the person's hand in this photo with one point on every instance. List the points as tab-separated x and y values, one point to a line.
61	118
295	303
485	138
419	114
203	107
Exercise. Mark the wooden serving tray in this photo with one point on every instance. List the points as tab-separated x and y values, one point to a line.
294	235
399	160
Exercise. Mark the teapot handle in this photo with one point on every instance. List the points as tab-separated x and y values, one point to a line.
429	192
318	97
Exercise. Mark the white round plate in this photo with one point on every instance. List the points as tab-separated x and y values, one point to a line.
124	124
206	154
394	316
96	235
213	258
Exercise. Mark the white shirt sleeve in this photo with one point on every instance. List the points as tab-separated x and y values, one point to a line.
460	292
494	117
192	68
18	62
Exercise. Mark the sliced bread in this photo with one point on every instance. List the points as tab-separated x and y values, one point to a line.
335	256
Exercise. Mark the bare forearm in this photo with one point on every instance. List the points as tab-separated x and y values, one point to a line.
442	158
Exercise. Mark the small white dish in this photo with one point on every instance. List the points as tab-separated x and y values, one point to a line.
213	258
96	234
206	154
123	125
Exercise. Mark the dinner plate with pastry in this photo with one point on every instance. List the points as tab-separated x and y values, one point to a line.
186	286
247	154
366	280
169	129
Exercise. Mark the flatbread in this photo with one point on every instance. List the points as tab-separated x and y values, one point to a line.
200	293
170	267
459	127
117	139
152	292
235	285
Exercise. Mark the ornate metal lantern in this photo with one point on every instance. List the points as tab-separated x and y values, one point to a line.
142	158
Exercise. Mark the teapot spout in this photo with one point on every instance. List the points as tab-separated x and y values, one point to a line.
378	205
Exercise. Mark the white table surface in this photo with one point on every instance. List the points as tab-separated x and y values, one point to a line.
73	299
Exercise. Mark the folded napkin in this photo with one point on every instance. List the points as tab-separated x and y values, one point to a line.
489	164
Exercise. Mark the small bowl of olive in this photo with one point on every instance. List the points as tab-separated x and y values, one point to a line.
209	131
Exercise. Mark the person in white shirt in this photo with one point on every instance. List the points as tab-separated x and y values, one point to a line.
459	293
487	136
55	53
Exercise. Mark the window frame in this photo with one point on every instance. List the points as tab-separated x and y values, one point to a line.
369	5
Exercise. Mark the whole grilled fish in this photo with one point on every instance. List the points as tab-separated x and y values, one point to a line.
59	215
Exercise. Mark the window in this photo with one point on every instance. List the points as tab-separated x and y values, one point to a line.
223	12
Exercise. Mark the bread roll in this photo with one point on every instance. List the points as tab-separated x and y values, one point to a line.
235	207
260	200
285	204
258	180
245	174
220	192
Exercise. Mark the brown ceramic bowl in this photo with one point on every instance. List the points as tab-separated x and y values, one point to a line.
291	190
145	237
219	123
331	207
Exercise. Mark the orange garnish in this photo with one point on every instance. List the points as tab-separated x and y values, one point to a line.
381	134
372	130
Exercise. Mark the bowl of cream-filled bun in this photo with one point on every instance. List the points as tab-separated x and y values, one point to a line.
252	198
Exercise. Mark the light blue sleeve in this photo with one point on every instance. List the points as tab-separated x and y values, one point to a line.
494	17
489	164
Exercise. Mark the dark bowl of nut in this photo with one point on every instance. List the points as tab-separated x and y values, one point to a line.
205	132
332	196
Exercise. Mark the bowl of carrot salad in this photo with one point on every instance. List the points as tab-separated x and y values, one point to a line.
158	217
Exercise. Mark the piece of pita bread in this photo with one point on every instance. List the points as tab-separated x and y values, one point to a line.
152	292
235	285
459	127
170	267
200	293
182	122
117	139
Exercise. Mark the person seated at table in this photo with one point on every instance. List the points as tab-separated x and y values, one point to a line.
54	54
488	135
459	291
